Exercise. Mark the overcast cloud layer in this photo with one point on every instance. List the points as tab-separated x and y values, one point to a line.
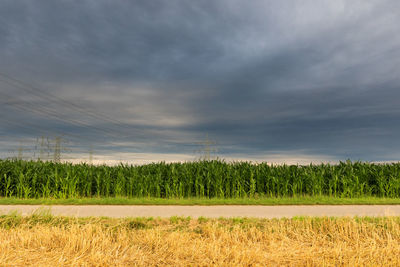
316	80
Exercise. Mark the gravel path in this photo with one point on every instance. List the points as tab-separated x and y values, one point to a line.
209	211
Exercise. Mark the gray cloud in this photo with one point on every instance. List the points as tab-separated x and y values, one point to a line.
259	77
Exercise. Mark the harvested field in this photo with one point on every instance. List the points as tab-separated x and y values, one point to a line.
42	240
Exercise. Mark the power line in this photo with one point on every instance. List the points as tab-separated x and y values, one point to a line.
207	147
29	129
48	113
28	106
50	97
44	145
32	129
37	92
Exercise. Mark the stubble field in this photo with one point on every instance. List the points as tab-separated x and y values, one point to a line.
43	240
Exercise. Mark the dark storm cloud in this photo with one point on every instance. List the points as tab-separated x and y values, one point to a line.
136	40
262	76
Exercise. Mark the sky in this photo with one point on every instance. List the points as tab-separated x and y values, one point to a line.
142	81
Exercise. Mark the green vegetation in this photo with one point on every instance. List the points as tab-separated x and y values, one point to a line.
44	217
271	201
201	180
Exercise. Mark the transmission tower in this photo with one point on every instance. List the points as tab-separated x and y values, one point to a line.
42	144
20	151
207	148
91	155
58	148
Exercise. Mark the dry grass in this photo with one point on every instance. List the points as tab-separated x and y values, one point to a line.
56	241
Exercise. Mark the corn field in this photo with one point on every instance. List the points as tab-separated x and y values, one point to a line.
202	179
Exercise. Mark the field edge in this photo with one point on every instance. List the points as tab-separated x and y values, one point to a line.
272	201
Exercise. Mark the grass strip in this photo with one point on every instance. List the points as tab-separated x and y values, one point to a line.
306	200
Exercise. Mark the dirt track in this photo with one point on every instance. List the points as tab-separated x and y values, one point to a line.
209	211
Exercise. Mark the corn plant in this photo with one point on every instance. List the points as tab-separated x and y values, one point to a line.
204	179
